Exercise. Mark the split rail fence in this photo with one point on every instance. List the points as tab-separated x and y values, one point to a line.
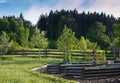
54	53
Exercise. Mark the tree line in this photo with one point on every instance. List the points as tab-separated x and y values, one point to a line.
80	23
97	27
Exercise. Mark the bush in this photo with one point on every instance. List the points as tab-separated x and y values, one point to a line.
15	46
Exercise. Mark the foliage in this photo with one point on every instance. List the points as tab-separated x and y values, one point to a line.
13	26
80	23
52	44
53	24
39	40
97	57
117	33
82	45
66	42
116	41
4	43
4	25
24	34
97	34
30	45
14	46
89	44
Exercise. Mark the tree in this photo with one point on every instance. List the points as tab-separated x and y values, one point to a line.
39	39
4	25
24	34
97	34
82	45
66	42
117	36
4	43
54	22
97	57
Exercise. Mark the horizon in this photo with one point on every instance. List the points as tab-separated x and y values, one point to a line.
32	10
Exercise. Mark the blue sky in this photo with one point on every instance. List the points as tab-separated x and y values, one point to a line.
32	9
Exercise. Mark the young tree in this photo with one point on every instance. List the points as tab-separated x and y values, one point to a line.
4	43
24	34
97	57
117	36
82	45
66	42
39	40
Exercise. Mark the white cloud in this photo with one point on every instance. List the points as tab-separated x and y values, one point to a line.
107	6
3	1
35	11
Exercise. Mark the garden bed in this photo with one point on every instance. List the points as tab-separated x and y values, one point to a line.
113	79
86	71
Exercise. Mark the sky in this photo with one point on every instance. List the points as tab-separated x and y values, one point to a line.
32	9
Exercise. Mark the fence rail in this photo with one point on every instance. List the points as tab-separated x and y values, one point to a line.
58	54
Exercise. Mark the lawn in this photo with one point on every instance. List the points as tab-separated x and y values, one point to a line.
19	70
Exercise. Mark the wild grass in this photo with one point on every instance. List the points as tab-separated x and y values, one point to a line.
19	70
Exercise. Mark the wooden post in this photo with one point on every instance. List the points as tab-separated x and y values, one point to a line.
119	53
59	65
82	73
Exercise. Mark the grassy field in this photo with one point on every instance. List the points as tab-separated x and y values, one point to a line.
18	70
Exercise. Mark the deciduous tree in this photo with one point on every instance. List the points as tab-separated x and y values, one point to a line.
4	43
66	43
39	39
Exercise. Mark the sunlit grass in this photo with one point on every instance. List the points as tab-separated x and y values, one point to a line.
19	70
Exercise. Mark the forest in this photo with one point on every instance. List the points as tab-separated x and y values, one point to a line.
97	27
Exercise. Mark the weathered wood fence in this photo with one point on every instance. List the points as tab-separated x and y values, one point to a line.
54	53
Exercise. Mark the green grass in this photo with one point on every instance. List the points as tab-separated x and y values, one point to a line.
19	70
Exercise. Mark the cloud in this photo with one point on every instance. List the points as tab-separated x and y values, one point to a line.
3	1
107	6
34	12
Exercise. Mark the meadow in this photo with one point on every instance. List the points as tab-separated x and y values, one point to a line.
19	70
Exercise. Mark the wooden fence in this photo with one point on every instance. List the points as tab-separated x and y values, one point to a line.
54	53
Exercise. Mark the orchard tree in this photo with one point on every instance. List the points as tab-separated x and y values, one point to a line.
4	43
39	39
66	42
